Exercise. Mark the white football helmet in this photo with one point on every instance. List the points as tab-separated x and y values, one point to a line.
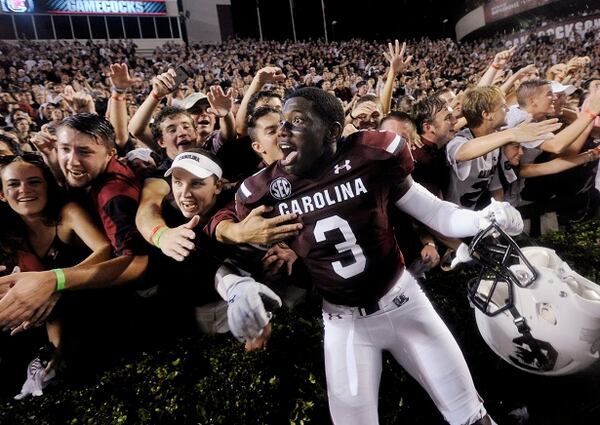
531	308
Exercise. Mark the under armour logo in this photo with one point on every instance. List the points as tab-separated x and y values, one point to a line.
340	167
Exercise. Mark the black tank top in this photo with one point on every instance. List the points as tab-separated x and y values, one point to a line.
61	255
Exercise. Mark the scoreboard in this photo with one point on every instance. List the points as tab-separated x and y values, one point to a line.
86	7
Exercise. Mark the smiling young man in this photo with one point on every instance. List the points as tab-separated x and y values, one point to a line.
341	189
187	286
474	152
175	131
86	156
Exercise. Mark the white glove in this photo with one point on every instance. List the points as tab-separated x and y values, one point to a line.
504	214
246	312
36	380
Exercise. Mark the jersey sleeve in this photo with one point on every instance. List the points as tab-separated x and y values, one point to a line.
251	193
226	213
390	148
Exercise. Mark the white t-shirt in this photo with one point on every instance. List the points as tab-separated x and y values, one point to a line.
471	179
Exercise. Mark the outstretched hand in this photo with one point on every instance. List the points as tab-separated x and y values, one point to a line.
22	295
259	230
530	131
178	242
395	56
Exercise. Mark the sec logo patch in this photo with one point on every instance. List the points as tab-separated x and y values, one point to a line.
280	188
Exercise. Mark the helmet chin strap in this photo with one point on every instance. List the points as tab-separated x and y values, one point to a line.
546	362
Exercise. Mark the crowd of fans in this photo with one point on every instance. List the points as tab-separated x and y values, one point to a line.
90	130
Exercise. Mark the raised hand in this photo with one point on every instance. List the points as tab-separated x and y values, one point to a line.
269	74
502	58
526	71
164	83
44	140
395	56
120	78
220	102
83	102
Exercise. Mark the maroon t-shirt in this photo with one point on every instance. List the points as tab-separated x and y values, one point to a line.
347	242
116	195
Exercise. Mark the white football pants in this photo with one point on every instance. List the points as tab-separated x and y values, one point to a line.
419	341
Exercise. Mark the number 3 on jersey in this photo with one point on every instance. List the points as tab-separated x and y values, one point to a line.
349	244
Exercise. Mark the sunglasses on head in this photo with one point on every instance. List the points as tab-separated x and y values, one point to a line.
27	157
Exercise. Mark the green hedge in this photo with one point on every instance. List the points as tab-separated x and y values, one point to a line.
211	380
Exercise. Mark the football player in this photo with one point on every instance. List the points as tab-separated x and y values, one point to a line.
340	190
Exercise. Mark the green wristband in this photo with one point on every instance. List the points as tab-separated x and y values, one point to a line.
60	279
156	238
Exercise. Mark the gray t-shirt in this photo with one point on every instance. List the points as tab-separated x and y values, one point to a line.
471	179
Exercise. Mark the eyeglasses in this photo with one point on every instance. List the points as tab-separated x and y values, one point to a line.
33	157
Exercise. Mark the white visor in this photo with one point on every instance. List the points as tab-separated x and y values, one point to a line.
199	165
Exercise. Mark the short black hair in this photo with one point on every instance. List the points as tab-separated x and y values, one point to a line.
263	94
168	112
93	125
256	115
327	106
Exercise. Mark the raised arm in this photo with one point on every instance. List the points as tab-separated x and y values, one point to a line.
521	73
120	81
263	76
395	56
498	63
220	106
138	125
562	141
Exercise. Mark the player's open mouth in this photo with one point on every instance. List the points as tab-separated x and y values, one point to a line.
203	122
289	153
184	144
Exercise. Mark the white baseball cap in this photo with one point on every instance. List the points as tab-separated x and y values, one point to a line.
199	165
144	154
191	100
561	88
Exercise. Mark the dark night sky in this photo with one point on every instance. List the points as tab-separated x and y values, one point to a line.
365	19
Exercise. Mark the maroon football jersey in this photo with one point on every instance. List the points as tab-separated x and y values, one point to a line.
347	241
